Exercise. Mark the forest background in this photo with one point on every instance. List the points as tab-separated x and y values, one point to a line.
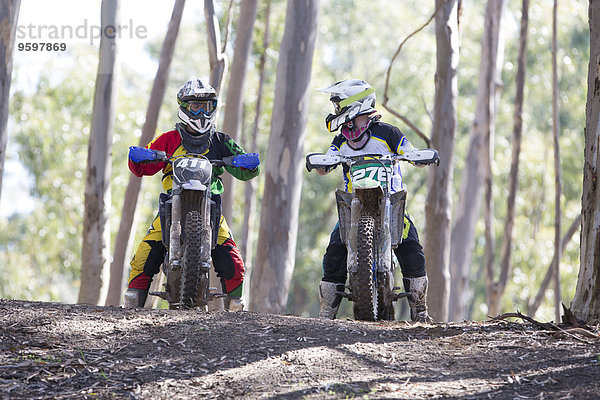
51	103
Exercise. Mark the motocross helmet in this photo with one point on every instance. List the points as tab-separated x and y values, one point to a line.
350	98
197	106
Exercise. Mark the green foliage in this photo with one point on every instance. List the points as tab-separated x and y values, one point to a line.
42	250
51	134
534	225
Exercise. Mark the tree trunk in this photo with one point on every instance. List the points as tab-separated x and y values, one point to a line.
438	204
96	234
513	180
216	57
283	170
468	208
557	174
586	303
496	288
133	186
9	14
246	244
234	103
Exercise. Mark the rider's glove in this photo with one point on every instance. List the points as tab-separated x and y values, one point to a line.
249	161
142	155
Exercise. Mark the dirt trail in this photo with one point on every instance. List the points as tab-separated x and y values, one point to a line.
59	351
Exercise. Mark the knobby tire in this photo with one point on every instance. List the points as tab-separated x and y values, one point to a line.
191	273
364	290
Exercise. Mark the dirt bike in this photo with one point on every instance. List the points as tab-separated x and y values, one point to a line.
190	220
371	221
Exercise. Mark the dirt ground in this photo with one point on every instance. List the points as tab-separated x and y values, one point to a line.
60	351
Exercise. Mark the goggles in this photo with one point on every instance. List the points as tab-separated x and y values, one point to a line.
195	107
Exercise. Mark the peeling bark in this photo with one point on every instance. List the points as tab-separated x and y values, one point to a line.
586	303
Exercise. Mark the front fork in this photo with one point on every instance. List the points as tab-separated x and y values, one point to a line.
174	208
175	231
385	270
349	212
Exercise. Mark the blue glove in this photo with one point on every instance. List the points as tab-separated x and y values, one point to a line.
249	160
143	155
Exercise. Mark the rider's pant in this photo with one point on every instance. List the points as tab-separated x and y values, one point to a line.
409	254
150	254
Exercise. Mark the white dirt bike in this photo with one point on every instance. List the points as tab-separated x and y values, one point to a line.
190	221
371	222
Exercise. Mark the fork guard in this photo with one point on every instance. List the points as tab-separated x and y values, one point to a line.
398	203
344	201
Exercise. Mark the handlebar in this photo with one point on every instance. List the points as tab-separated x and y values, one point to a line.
142	155
416	156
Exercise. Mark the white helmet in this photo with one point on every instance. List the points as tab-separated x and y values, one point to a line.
350	98
197	105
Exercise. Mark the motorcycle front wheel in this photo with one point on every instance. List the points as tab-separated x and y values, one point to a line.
362	283
194	281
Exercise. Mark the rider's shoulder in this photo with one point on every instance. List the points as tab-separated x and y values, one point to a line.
385	131
383	127
338	140
164	139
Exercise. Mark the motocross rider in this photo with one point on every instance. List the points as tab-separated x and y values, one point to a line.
196	134
362	132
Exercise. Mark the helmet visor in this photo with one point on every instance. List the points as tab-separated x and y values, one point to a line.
197	107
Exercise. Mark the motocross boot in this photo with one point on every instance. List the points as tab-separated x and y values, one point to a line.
329	299
135	298
232	303
417	298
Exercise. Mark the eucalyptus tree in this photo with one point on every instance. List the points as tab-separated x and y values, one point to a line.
438	204
234	101
471	186
586	303
250	188
216	52
496	287
557	168
9	13
275	254
96	243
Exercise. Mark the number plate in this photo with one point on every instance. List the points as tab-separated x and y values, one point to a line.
188	169
370	173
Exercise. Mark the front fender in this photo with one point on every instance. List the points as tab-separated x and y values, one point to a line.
344	201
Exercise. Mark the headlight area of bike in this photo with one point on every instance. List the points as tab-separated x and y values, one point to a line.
192	173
